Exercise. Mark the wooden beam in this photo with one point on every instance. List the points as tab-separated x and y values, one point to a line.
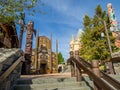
115	60
10	69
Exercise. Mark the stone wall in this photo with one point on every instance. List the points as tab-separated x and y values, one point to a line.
7	58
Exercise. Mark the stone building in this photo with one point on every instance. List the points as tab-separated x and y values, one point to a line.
75	43
44	60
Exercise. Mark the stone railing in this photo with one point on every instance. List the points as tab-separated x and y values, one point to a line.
10	67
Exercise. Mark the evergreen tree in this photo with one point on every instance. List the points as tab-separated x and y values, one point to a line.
60	58
94	46
10	9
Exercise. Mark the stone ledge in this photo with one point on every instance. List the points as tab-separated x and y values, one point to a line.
115	54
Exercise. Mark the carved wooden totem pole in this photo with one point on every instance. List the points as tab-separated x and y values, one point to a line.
113	24
28	48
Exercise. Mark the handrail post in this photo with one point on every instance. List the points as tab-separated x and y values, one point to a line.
75	69
96	71
78	72
79	75
72	70
72	65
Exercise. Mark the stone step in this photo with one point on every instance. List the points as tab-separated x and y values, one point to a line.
46	80
72	88
86	78
68	68
82	83
59	86
54	84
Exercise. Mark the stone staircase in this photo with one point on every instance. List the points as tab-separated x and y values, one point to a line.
59	81
54	83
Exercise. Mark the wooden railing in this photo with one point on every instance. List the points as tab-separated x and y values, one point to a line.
106	77
10	69
99	83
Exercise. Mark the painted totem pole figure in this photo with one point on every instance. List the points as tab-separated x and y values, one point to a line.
113	24
28	47
112	18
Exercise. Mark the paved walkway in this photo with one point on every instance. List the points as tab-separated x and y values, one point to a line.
55	75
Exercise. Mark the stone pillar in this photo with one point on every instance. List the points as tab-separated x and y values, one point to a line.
96	71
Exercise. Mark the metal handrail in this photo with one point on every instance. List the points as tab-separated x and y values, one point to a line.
10	69
95	78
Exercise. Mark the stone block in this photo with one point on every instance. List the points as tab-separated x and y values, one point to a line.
115	54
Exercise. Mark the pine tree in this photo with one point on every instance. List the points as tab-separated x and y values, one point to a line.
60	58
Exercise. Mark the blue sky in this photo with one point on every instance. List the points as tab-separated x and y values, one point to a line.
64	17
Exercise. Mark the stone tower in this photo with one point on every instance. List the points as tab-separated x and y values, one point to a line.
75	43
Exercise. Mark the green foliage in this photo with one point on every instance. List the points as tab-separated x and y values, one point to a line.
10	9
94	46
60	58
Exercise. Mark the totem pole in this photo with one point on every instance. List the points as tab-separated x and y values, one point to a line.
112	18
22	24
115	33
113	24
28	47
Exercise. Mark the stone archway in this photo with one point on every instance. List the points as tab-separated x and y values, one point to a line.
43	69
43	66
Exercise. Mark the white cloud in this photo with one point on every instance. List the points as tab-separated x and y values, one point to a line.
66	9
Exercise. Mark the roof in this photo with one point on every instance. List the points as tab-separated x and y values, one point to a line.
44	37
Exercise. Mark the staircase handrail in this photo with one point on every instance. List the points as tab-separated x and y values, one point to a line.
11	68
110	80
81	65
106	77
